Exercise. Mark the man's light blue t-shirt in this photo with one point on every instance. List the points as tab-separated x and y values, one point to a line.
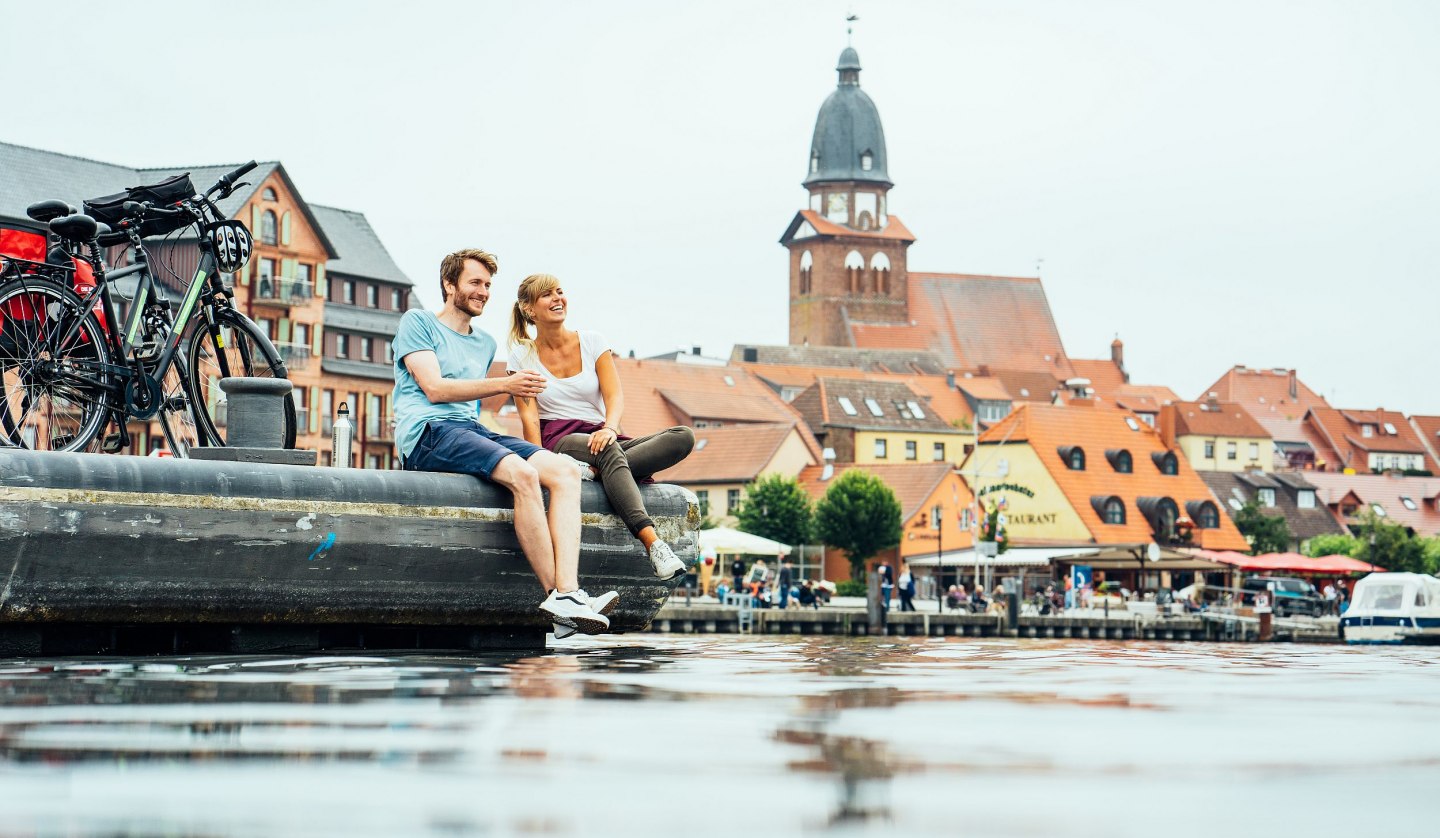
460	357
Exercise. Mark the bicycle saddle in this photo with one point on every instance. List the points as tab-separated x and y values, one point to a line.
47	211
78	227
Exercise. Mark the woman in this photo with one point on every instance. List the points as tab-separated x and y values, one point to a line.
579	411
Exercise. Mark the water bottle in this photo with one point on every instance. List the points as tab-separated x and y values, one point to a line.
344	437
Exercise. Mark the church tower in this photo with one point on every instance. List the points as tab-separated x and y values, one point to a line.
847	253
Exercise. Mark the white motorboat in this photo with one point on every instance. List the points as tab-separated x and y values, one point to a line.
1393	608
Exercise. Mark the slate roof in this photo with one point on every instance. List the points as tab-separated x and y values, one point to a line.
1097	429
1266	394
821	406
944	400
735	454
847	126
1000	322
1241	487
1387	492
361	253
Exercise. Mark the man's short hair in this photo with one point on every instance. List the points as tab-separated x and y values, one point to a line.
453	265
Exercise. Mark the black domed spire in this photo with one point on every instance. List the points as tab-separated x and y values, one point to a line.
849	142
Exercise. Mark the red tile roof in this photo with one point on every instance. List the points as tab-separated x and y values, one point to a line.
735	454
998	321
1339	440
1208	419
1388	492
1428	429
1267	395
984	388
895	229
1097	429
942	399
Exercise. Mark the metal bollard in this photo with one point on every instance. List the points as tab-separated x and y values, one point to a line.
256	416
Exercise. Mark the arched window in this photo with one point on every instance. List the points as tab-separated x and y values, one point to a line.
1205	514
806	263
1120	460
268	195
855	267
1073	456
865	220
880	267
268	228
1114	511
1166	462
1162	513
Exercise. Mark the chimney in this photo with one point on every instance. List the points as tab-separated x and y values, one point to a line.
1117	356
984	370
750	354
1294	390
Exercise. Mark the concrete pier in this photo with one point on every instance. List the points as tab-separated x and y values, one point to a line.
129	554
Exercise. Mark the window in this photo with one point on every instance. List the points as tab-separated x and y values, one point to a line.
1209	449
327	412
1236	504
847	406
1167	462
1073	456
268	226
732	500
302	334
1230	450
993	411
867	161
301	288
874	407
268	195
1209	517
938	452
1378	510
1114	511
395	299
703	496
1408	503
915	410
387	350
1367	431
1305	499
911	450
1254	451
1120	460
349	291
372	296
373	461
342	346
1390	429
880	452
365	346
1266	496
267	278
267	326
1129	422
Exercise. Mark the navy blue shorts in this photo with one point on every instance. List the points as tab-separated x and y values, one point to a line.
464	447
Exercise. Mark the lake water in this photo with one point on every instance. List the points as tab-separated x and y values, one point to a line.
666	735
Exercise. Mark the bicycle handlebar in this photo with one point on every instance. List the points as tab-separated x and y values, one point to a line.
140	210
227	181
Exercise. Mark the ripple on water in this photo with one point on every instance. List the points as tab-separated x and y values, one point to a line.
713	735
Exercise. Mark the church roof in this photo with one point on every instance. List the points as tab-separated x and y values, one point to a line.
848	127
818	226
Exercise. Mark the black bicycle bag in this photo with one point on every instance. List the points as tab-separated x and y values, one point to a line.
108	210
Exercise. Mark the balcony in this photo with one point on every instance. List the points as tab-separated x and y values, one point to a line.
282	291
380	428
295	355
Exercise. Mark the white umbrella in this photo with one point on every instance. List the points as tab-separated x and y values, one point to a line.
725	540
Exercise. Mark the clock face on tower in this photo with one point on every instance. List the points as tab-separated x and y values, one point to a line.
837	207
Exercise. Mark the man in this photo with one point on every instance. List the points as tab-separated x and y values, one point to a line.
441	362
737	571
787	577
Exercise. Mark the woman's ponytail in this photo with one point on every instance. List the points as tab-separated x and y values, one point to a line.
519	326
532	288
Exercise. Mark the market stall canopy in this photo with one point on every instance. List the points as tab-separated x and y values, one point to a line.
1014	557
725	540
1292	562
1127	557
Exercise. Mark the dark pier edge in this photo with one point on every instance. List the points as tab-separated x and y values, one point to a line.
128	555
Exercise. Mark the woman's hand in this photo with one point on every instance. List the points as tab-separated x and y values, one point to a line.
602	439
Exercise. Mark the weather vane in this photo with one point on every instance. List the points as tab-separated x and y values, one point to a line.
850	28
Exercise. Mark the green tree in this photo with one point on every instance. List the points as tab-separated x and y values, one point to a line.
1389	545
1266	533
777	508
991	529
1431	549
860	515
1333	544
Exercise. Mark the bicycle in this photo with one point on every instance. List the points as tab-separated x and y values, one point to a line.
70	369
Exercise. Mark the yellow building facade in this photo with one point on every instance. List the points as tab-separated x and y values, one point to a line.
872	447
1035	508
1227	453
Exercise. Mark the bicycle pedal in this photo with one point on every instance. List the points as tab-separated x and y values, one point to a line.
113	443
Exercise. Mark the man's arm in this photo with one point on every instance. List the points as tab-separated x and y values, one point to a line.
425	367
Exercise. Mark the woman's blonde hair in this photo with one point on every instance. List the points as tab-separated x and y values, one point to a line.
532	288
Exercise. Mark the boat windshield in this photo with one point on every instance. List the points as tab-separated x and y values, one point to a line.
1383	598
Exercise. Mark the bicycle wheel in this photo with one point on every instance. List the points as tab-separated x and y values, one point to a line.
177	413
238	349
55	394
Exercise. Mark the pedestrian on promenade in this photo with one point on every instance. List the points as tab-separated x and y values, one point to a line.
906	588
579	411
737	574
887	586
806	595
441	362
1069	592
1330	598
787	575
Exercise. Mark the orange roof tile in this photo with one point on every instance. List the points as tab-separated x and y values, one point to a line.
895	229
735	454
943	400
1097	429
1209	419
710	404
984	388
1428	429
1277	398
913	483
1338	436
1388	492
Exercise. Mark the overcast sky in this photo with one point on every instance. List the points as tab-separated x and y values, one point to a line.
1217	182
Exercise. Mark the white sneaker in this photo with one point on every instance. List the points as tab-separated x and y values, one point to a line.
667	565
603	604
573	610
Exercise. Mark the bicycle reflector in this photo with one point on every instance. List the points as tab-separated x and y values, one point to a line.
231	243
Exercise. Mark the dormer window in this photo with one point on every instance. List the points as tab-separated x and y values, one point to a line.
1367	431
1111	509
1207	516
1305	499
867	161
1166	462
814	162
1120	460
1073	456
1266	496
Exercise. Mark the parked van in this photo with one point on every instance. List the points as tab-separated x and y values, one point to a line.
1393	608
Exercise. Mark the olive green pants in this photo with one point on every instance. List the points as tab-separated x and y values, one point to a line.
622	464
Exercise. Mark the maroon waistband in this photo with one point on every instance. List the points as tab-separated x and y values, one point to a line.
554	430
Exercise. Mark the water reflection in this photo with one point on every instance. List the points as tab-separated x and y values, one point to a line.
717	735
